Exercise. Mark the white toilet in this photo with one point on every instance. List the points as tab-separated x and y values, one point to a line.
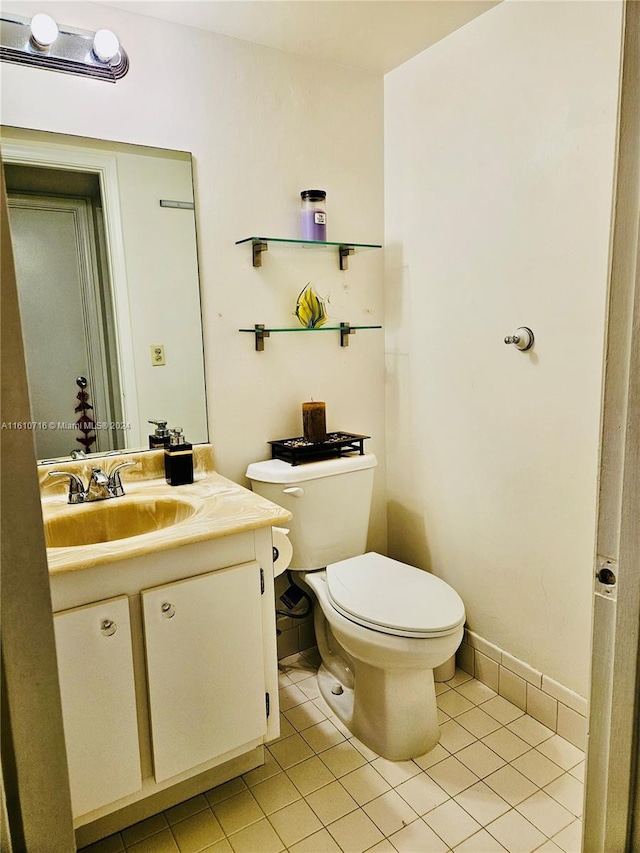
381	626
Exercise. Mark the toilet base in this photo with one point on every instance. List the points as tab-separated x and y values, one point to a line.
340	703
446	670
395	730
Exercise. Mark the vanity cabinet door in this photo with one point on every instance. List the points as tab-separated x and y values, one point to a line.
205	667
95	666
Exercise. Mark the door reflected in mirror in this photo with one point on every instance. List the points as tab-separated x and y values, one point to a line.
104	242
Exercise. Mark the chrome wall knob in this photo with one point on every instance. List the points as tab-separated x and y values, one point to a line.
522	339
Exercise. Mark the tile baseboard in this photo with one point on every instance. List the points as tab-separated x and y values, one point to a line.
546	700
294	636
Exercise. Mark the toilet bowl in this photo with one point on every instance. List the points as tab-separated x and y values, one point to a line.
379	643
381	626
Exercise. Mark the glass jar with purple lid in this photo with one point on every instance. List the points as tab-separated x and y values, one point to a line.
314	215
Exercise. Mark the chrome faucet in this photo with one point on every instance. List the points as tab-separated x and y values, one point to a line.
101	486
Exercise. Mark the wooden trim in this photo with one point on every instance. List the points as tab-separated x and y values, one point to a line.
34	763
610	774
630	542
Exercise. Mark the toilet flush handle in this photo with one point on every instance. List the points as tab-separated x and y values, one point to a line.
294	491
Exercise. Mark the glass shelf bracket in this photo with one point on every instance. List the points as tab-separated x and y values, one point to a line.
345	329
261	244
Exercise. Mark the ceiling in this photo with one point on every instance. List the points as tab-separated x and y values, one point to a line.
374	35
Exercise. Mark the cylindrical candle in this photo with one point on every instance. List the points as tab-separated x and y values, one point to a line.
314	422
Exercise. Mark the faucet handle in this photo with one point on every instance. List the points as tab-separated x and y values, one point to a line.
115	483
77	493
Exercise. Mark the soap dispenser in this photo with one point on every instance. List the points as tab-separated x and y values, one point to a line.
178	459
161	436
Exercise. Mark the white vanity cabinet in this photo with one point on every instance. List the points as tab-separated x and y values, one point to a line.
205	667
95	666
165	636
183	694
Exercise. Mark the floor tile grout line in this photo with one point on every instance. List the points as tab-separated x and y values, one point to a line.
507	763
319	750
419	817
533	826
531	746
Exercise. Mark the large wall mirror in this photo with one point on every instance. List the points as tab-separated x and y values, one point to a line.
104	242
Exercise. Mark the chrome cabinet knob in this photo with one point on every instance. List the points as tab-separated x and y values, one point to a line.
108	628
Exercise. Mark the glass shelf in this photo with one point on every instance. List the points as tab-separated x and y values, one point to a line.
261	244
345	330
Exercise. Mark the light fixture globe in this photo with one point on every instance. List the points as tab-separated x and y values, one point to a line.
106	46
44	30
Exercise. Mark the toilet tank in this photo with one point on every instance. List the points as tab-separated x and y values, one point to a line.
330	501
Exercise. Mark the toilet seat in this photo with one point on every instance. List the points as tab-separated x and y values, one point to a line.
393	598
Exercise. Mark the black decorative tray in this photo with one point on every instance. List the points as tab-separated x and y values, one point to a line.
297	450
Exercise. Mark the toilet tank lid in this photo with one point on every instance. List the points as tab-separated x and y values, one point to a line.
279	471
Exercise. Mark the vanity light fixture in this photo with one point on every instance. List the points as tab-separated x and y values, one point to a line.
40	42
44	31
106	46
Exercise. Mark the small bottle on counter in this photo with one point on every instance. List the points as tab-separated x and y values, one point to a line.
161	436
178	459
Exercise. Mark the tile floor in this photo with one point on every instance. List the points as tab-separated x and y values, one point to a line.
497	781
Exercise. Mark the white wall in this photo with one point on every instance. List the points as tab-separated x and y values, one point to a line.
262	125
499	153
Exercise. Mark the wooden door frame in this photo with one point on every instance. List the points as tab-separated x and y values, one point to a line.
612	749
34	761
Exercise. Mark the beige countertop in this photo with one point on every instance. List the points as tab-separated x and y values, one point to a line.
215	507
